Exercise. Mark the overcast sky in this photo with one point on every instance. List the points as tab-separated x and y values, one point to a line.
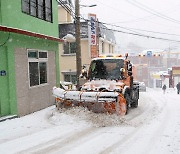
162	16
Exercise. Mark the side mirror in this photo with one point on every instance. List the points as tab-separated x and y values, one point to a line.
129	69
84	73
122	70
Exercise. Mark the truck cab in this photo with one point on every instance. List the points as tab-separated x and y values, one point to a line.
113	73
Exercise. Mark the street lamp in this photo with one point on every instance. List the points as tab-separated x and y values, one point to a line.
78	39
69	38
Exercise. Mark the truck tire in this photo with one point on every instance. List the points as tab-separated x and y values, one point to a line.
134	104
127	109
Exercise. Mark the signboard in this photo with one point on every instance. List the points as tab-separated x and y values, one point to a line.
92	35
2	73
176	71
149	53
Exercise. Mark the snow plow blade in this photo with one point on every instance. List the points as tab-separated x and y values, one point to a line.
110	102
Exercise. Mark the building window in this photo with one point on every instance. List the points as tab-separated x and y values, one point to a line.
37	67
69	48
41	9
102	47
70	78
26	6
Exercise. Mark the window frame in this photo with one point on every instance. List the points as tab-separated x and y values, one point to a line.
109	48
70	75
37	6
103	47
69	48
38	60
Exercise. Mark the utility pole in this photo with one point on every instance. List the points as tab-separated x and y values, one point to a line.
78	42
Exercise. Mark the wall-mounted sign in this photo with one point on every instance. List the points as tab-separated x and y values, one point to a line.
92	35
2	73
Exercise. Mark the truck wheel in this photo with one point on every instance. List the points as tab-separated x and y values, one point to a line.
134	104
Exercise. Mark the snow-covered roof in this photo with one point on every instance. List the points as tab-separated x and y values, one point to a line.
161	73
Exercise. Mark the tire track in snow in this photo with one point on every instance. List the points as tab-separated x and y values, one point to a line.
150	136
27	131
58	143
120	142
76	140
103	134
143	113
169	133
62	144
70	144
136	112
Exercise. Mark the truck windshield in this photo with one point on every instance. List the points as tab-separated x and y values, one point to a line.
106	69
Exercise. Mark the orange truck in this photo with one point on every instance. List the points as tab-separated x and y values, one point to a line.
109	87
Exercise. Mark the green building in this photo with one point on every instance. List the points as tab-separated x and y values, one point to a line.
29	59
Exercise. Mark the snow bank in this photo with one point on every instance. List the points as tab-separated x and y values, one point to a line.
89	117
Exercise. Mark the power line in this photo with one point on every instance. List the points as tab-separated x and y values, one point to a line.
120	31
115	9
135	20
129	21
132	29
136	34
151	11
142	35
141	30
143	18
67	8
156	11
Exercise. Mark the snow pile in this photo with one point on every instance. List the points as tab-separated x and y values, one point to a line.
77	114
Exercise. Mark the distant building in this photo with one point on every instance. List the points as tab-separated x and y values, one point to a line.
171	58
145	64
175	75
152	64
161	78
29	61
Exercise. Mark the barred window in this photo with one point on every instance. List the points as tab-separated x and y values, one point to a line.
26	6
41	9
70	78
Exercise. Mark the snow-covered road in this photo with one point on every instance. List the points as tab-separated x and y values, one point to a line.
152	128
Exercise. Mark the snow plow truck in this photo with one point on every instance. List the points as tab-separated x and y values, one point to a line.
109	87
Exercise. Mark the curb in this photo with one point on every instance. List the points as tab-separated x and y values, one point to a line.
8	117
